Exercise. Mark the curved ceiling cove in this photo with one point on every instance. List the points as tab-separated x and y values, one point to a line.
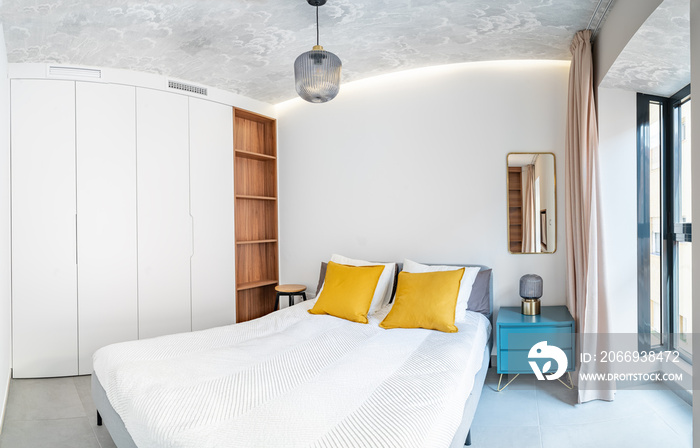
249	47
656	60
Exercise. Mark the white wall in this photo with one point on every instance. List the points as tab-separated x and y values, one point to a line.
617	121
695	170
414	165
5	304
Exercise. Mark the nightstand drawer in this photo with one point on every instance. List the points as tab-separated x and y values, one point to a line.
524	337
516	361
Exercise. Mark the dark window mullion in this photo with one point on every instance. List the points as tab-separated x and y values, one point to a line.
643	224
668	273
679	231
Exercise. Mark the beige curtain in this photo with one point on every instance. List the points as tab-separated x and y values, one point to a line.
586	295
529	212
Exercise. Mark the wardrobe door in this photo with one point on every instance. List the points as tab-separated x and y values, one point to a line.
106	201
44	296
164	223
211	189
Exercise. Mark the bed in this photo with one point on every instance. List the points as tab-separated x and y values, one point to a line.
297	380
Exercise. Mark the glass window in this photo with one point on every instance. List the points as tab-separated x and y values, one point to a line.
664	222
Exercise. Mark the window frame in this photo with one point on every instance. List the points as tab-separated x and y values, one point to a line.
644	222
669	157
676	233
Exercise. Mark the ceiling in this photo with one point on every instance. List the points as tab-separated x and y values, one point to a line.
249	46
656	60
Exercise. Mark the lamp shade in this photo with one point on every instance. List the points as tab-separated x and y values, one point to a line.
530	286
317	75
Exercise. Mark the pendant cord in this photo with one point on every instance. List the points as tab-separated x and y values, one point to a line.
317	25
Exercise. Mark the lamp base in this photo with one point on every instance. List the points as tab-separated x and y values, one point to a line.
530	307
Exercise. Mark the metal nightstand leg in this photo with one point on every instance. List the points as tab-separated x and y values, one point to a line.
571	383
569	386
499	388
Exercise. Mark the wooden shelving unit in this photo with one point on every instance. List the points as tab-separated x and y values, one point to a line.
515	209
255	185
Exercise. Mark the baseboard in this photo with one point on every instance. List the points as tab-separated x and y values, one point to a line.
4	403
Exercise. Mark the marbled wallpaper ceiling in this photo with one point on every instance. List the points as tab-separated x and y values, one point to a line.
657	58
249	46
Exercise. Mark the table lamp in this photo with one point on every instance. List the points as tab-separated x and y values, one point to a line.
530	291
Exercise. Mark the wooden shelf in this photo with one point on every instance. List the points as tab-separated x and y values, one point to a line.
257	242
255	188
253	155
258	284
258	198
515	209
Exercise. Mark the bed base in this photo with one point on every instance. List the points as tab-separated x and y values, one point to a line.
463	435
109	417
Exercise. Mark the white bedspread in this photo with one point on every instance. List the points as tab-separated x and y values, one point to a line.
292	379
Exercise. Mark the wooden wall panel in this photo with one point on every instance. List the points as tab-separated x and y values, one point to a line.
250	136
256	302
256	263
255	177
255	220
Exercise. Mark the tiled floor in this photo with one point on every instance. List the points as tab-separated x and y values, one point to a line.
544	414
59	413
52	413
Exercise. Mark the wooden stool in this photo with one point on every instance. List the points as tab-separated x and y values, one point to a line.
289	291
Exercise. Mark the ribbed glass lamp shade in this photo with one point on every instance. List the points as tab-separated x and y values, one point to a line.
317	75
530	286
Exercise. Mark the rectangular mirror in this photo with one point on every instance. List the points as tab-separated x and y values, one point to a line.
532	199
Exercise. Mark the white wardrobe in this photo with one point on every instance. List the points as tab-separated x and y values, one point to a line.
122	219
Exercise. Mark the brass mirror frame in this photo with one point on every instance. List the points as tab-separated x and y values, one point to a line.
556	221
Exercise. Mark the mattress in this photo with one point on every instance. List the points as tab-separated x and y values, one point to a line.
295	379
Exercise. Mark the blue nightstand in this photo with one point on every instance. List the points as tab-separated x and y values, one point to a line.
517	334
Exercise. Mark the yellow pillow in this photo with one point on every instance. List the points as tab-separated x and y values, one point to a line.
425	300
348	291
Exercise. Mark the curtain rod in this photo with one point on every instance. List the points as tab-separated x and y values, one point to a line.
588	27
602	16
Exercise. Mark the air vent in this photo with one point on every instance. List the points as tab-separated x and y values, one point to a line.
187	87
74	72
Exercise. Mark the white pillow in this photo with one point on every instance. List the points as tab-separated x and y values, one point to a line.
382	294
465	286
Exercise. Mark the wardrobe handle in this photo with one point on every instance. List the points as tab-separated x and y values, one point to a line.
76	238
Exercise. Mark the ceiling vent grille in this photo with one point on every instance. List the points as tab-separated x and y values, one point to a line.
75	72
187	87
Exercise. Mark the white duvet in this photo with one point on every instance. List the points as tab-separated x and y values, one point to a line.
292	379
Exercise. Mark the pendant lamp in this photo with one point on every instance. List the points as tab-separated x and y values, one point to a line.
317	72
